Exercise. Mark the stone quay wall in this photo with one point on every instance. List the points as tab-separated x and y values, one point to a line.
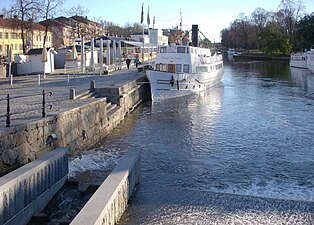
76	129
108	203
28	190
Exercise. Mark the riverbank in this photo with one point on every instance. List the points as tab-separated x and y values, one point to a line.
76	123
261	56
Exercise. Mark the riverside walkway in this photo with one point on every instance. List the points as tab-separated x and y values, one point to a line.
57	83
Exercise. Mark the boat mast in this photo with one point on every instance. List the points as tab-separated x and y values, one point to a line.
180	19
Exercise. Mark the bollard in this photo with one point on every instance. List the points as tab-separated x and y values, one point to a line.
44	104
11	79
38	79
8	120
72	94
68	79
92	85
65	68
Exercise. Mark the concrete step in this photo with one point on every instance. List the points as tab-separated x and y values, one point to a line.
86	95
112	108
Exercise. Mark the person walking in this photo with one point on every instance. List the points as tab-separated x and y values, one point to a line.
128	61
136	61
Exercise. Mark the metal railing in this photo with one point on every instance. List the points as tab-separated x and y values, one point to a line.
9	113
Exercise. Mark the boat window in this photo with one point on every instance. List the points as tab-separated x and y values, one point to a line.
172	49
201	69
172	68
163	49
180	49
178	68
163	67
219	66
157	66
186	68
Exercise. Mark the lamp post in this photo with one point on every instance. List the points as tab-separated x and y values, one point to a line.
44	59
74	58
10	59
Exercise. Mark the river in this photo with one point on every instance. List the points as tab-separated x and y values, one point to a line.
241	153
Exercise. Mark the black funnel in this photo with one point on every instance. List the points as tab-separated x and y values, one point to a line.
195	35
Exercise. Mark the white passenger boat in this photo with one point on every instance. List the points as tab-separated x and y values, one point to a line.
183	70
298	60
303	60
310	60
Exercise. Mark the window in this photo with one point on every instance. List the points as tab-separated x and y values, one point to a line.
163	50
178	68
158	67
163	67
180	49
172	49
6	35
219	66
0	35
12	35
15	47
171	68
201	69
186	68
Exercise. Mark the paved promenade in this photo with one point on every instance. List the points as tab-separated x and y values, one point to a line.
57	83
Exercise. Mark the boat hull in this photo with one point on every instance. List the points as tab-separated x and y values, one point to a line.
165	85
310	62
303	60
298	64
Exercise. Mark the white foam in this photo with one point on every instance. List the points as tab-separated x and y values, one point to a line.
272	189
92	160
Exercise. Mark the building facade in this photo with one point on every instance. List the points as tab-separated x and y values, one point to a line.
11	36
63	33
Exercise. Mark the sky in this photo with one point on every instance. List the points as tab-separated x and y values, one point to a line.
211	16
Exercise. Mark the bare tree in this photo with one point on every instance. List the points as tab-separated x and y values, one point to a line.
290	12
242	27
78	10
259	18
49	9
137	27
24	10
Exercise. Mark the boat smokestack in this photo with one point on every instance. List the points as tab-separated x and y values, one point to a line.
195	35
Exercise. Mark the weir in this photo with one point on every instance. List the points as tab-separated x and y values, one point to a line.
107	205
28	189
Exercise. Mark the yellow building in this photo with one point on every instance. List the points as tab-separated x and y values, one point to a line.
10	35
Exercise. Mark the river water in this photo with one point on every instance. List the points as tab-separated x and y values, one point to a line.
241	153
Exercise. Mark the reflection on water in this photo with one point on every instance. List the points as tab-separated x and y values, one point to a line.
303	78
239	153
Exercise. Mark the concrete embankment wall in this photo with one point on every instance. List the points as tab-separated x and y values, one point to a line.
76	129
108	203
28	189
